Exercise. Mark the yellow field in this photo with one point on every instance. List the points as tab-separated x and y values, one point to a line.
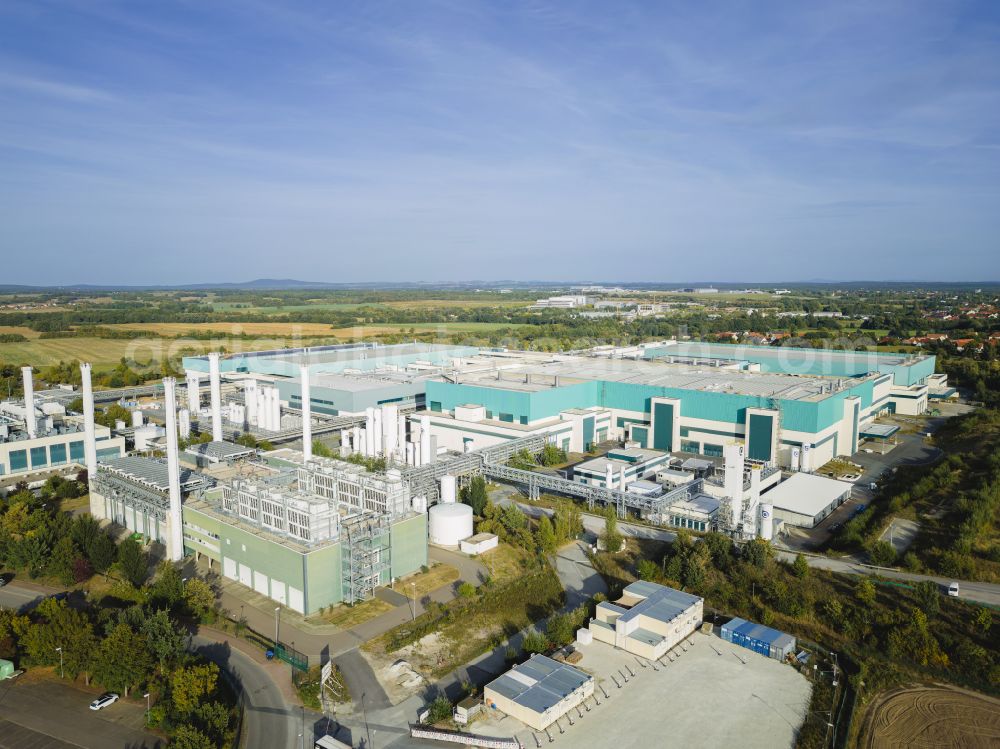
102	352
230	328
26	332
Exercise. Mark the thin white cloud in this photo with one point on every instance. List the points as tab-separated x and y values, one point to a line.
53	89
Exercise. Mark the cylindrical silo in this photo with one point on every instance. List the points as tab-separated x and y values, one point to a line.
450	523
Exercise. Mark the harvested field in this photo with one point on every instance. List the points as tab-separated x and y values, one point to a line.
926	717
230	328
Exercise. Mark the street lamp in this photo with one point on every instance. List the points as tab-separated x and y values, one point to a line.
413	603
277	610
147	707
61	674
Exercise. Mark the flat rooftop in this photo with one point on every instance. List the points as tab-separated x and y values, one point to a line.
806	493
537	377
632	457
153	474
540	683
659	602
219	451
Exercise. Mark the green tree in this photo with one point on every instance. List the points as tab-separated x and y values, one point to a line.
475	495
864	591
190	685
984	618
189	737
928	597
545	535
647	569
440	710
64	554
611	538
757	552
882	554
560	629
58	626
102	552
164	639
168	587
133	562
467	590
199	597
123	661
552	455
800	567
534	642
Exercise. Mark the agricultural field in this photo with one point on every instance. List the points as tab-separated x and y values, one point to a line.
932	716
102	352
19	330
171	329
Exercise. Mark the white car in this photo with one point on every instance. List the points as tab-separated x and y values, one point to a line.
108	698
953	589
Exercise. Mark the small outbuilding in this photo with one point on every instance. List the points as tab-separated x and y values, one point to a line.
758	638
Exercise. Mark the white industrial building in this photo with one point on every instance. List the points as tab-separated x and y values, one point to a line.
539	691
648	619
804	499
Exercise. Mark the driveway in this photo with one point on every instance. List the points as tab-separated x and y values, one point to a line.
268	720
45	714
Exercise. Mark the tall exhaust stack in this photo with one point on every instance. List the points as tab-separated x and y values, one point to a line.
175	549
307	442
193	392
29	402
90	439
215	381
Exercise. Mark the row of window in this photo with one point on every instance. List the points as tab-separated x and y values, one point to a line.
680	521
690	446
42	456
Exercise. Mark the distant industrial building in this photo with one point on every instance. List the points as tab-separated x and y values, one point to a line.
566	301
539	691
37	437
648	620
758	638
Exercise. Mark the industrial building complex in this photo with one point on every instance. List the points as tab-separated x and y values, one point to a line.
700	436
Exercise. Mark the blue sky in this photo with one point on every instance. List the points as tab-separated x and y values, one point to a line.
183	142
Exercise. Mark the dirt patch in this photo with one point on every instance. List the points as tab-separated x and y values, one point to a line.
926	717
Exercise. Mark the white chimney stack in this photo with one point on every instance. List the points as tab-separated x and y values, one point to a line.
215	381
425	441
609	476
175	548
307	444
90	439
193	380
29	402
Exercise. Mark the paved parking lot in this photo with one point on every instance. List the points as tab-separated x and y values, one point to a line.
43	714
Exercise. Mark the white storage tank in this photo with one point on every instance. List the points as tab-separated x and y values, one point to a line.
450	523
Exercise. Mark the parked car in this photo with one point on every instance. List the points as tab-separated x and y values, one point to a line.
5	578
108	698
953	589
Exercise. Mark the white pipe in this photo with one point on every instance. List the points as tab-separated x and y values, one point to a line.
377	436
215	381
250	399
609	477
401	434
175	549
369	432
621	479
29	402
184	420
307	445
90	439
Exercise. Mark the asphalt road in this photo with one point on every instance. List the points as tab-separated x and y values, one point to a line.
268	721
19	599
976	592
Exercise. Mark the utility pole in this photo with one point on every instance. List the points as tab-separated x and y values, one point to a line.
277	613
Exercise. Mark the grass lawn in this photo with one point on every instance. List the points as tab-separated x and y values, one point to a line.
69	505
345	616
505	562
422	583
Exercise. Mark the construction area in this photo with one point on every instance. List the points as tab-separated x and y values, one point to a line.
932	716
753	701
